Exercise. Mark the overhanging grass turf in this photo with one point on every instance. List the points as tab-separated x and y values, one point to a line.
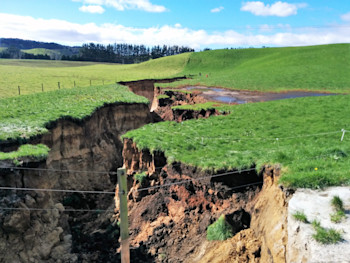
39	151
25	116
302	135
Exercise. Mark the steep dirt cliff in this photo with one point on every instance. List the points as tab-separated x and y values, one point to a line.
170	216
82	157
165	100
146	87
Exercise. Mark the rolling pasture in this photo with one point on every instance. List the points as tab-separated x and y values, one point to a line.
323	68
302	136
30	75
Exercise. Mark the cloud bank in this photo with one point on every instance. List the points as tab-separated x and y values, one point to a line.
122	5
53	30
281	9
94	9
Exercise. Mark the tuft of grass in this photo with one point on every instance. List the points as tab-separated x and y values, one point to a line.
39	151
337	203
338	206
325	236
140	177
300	216
338	216
219	230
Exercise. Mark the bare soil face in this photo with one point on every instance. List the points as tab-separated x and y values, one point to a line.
169	219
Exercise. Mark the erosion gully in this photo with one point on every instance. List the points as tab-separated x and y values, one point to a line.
167	224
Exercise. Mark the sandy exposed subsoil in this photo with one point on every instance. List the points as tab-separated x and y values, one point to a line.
316	205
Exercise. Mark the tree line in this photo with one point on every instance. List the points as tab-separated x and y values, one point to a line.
117	53
124	53
15	53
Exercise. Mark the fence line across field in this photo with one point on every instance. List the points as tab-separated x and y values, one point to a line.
58	86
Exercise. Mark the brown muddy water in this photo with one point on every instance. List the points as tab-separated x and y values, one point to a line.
244	96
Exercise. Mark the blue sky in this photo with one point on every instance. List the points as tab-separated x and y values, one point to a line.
195	23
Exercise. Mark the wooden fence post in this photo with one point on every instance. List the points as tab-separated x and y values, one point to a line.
123	210
19	90
42	87
59	86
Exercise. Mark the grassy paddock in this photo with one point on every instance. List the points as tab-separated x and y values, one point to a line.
302	135
31	74
318	68
25	116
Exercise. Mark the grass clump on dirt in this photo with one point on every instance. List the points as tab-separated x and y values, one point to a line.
140	177
39	151
325	236
25	116
300	216
162	96
219	230
301	135
339	214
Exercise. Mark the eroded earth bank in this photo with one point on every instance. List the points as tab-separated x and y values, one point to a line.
168	220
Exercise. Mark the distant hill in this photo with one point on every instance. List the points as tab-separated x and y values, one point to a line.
13	48
30	44
54	50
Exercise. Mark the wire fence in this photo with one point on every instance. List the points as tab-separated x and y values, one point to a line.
22	89
72	191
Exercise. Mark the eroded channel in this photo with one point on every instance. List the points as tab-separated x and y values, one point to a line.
167	224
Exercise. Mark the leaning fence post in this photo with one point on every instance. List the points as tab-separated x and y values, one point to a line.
58	85
123	210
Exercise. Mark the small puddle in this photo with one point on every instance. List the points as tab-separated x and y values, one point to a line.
228	99
244	96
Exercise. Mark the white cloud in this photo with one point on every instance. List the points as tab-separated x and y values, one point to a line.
53	30
94	9
217	9
122	5
279	8
346	17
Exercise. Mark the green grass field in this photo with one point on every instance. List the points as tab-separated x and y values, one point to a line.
25	116
302	135
317	68
31	74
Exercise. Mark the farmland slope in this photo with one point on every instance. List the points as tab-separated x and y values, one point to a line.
317	68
